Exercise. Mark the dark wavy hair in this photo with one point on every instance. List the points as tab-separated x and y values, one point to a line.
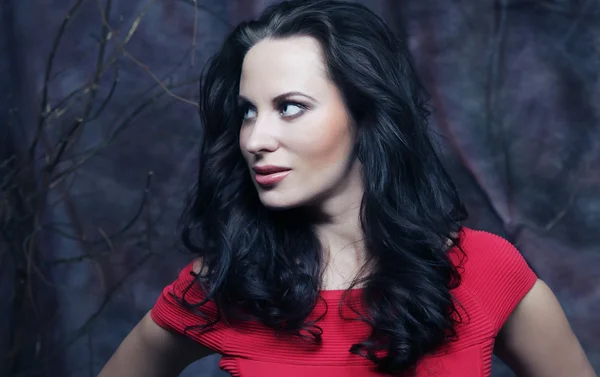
265	265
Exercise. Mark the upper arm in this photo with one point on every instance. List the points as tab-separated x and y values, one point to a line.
537	340
149	350
180	349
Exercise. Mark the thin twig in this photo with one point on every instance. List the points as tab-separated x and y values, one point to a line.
166	77
107	238
48	73
80	121
141	207
89	153
85	256
126	53
87	88
109	96
163	86
561	214
107	298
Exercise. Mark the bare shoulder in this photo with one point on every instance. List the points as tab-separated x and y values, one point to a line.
198	267
537	339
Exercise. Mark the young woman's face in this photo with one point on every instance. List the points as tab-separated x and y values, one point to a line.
297	136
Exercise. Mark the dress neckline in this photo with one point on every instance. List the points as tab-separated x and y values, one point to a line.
336	293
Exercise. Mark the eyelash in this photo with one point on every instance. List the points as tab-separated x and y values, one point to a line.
281	106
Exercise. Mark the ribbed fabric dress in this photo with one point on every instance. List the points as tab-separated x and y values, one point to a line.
495	277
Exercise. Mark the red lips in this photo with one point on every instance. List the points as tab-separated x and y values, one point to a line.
269	175
268	169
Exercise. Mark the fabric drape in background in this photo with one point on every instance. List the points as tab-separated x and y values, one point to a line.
99	137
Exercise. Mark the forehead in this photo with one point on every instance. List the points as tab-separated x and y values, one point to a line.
277	65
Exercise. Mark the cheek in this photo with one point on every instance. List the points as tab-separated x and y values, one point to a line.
242	141
332	144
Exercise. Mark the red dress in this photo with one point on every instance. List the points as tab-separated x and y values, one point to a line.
495	277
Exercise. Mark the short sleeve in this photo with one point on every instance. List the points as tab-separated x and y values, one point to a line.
496	273
170	312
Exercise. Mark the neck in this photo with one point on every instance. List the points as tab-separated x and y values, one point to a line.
339	212
341	233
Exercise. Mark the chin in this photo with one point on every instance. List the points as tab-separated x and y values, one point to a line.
277	201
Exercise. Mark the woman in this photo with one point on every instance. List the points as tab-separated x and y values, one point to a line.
328	235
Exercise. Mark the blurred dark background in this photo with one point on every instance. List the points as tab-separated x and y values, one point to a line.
99	134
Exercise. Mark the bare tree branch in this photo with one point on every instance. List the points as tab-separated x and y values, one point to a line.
109	96
80	121
91	152
63	27
28	184
107	298
135	60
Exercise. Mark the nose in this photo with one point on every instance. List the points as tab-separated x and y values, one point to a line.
258	137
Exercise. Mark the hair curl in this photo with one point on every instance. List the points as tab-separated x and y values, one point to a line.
266	265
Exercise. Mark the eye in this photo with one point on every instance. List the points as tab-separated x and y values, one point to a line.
248	113
291	109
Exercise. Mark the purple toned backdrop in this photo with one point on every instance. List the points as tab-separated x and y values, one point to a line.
516	100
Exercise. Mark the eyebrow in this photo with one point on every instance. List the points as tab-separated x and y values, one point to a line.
281	97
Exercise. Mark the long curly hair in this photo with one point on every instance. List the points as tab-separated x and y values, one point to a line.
265	265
